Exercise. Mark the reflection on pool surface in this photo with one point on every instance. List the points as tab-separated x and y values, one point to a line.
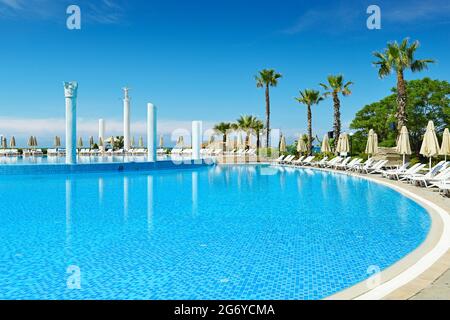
81	159
220	232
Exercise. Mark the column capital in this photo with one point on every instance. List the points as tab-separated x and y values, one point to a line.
70	89
126	91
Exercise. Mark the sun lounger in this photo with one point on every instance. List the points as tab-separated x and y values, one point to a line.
413	170
278	160
308	161
376	167
432	181
288	159
320	163
353	165
333	161
298	161
342	164
176	151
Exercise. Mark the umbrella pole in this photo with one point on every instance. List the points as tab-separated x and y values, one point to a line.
404	158
430	163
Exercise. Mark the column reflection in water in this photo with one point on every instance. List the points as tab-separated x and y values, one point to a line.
150	206
101	190
69	211
194	193
125	198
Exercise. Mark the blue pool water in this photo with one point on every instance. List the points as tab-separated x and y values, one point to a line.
218	232
81	159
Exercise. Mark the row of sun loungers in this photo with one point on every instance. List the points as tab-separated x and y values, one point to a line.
437	177
9	152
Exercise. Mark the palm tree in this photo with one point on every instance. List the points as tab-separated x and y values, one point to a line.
398	58
335	86
265	79
222	128
309	98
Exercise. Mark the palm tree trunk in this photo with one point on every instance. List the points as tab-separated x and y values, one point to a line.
309	131
267	116
224	141
401	101
337	118
257	143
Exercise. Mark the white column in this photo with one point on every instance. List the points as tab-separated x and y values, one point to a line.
126	120
101	129
70	93
151	132
101	132
196	139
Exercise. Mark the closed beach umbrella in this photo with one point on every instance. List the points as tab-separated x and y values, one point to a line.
141	142
91	141
403	145
57	142
372	143
4	143
301	145
430	144
12	142
132	142
325	144
100	142
35	142
211	140
80	142
180	142
445	147
30	141
283	144
343	144
239	140
161	141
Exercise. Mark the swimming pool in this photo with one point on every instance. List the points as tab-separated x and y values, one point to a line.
21	160
216	232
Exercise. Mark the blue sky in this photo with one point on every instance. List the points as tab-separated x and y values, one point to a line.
196	60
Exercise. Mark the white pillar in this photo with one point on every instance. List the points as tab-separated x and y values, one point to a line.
101	133
126	120
196	139
101	129
151	132
70	93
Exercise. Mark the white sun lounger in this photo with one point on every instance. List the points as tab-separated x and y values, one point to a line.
333	161
430	174
341	164
320	163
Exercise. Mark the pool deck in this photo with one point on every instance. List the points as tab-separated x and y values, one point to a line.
434	282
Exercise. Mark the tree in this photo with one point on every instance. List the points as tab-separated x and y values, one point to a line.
427	100
309	98
250	125
265	79
335	87
397	58
222	128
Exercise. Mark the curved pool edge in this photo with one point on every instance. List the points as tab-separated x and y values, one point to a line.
415	263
